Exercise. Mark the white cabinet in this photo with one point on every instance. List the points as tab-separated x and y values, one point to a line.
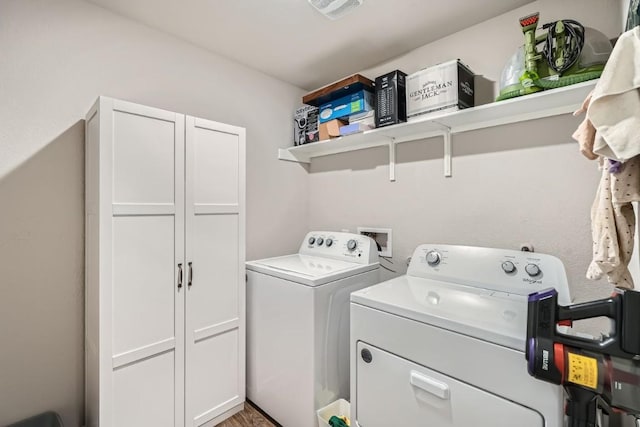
165	288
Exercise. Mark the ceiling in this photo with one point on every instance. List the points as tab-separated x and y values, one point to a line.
290	40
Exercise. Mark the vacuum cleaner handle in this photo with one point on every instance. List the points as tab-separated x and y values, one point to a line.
545	314
605	307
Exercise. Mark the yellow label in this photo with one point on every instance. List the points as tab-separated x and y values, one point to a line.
583	370
356	105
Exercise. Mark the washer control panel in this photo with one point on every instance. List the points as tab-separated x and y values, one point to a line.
339	245
501	270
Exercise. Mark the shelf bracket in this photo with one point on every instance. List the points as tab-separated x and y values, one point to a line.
392	160
447	152
446	139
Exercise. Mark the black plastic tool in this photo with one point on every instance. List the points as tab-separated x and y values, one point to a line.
597	374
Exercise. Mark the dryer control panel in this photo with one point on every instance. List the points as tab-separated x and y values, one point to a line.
338	245
502	270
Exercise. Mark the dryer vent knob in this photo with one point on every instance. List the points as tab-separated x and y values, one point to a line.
352	245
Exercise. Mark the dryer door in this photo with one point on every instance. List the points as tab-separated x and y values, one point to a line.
392	391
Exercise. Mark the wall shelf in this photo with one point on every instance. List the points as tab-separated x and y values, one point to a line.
536	106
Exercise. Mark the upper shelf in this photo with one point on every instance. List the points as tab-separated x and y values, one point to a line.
543	104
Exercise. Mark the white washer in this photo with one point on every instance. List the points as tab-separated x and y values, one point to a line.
298	324
444	344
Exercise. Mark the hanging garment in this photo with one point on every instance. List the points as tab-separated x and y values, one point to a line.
615	104
586	132
613	223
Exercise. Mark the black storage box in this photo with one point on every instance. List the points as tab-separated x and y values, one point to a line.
391	99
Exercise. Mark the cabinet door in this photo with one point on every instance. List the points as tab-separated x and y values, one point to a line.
147	230
215	318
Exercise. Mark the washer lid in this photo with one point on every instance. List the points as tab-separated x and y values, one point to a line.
308	270
488	315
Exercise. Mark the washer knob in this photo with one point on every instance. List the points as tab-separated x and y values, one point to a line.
320	241
329	242
508	267
352	245
312	240
532	270
433	258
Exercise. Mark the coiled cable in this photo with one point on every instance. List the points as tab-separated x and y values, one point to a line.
573	44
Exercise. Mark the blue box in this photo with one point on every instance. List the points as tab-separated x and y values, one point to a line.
357	102
354	128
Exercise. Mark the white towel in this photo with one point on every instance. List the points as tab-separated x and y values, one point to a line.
615	105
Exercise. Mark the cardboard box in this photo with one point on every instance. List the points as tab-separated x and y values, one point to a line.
331	129
446	86
357	102
391	99
339	89
305	125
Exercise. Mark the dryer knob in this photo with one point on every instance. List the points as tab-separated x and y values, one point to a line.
320	241
508	267
312	240
532	270
433	258
328	242
352	245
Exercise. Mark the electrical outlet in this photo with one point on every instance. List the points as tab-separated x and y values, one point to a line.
382	237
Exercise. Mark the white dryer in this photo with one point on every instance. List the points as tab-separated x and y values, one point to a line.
444	344
298	324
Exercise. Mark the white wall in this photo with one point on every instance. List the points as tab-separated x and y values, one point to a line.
56	58
509	186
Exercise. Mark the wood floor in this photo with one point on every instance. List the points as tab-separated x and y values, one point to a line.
250	417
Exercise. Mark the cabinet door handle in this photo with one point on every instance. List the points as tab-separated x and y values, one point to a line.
190	274
180	276
430	385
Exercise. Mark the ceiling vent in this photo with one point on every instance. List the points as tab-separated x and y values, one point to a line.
334	9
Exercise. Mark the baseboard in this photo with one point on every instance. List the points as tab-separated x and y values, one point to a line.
227	414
